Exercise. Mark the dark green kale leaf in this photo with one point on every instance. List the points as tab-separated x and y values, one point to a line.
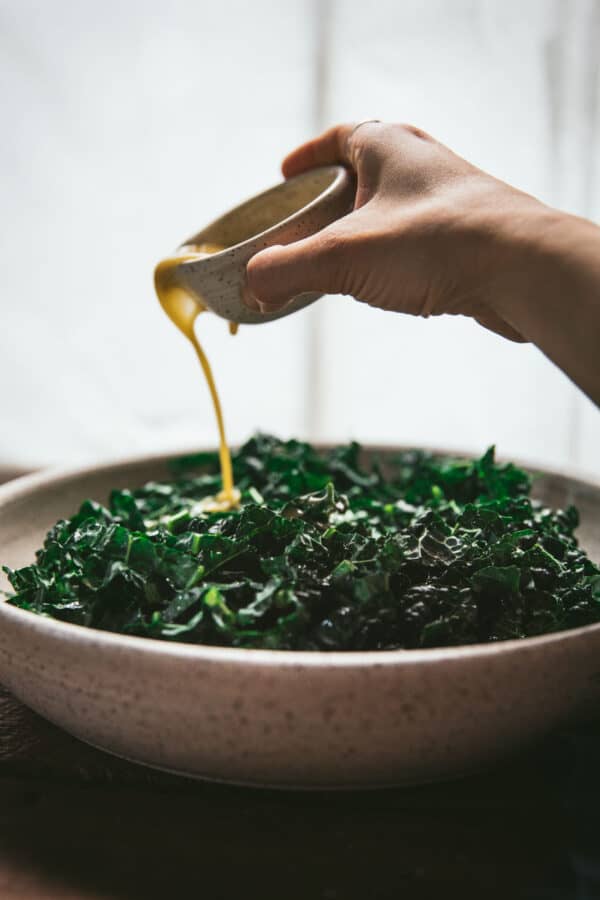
324	553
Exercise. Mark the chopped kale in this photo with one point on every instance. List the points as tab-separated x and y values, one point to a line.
324	553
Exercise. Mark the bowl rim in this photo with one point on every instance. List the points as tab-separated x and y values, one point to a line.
340	181
12	491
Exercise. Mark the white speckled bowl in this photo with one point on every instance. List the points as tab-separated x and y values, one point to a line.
293	209
282	718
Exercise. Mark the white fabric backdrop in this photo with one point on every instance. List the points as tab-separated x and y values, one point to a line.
129	125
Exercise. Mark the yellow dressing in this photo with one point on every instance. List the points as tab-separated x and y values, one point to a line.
183	309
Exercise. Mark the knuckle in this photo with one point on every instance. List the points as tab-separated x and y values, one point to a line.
332	260
363	144
331	245
339	131
333	142
405	129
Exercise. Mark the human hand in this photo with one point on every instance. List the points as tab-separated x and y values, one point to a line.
429	233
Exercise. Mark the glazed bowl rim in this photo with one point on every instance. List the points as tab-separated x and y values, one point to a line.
341	178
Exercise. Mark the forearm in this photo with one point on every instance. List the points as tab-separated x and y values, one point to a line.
551	295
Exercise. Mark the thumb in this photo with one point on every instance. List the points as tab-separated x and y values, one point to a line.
278	273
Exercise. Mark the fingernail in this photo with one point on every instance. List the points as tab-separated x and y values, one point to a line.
250	300
273	307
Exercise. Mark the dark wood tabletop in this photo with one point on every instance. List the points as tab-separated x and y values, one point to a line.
76	823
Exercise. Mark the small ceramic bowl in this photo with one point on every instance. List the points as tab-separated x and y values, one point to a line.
290	211
279	718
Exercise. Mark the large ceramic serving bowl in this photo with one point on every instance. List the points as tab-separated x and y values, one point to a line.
282	718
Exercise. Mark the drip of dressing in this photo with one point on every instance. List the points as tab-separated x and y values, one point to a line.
183	308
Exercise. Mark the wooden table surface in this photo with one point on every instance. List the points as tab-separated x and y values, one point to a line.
65	839
76	823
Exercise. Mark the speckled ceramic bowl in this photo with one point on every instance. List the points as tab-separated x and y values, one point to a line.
293	209
282	718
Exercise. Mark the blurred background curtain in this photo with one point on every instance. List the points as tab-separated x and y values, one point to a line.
129	125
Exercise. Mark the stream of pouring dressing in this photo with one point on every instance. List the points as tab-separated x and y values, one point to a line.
183	308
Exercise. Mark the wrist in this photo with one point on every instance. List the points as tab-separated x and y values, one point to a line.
540	262
550	292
